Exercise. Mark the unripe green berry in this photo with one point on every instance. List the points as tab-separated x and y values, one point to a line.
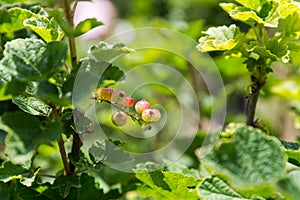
119	119
105	93
142	105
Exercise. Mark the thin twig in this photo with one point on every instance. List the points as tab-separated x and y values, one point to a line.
133	116
61	143
47	175
70	17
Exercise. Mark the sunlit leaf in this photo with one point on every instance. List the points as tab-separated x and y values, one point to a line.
32	105
10	171
12	19
49	30
31	59
86	25
220	38
169	185
107	52
249	159
3	95
215	188
252	4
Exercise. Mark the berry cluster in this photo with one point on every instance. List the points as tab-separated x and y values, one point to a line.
144	113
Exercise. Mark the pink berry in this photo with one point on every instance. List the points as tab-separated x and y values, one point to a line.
119	97
142	105
156	115
129	102
119	119
105	93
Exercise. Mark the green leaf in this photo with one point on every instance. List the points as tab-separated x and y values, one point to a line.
12	20
220	38
10	171
87	189
32	59
29	193
280	50
65	183
263	12
252	4
29	130
290	25
292	150
107	52
86	25
32	105
169	185
63	23
3	94
240	13
249	159
289	89
108	151
215	188
48	92
111	73
49	30
290	185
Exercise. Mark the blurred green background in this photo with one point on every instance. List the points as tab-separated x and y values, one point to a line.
278	107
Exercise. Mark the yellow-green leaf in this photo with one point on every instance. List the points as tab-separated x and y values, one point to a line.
12	20
219	38
49	30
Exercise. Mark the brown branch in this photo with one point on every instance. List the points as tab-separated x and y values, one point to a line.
70	15
253	99
61	143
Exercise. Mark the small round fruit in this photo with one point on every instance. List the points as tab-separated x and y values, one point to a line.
119	97
147	115
142	105
129	102
119	119
105	93
156	115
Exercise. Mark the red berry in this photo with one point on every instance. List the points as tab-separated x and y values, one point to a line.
119	97
105	93
140	106
129	102
119	119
